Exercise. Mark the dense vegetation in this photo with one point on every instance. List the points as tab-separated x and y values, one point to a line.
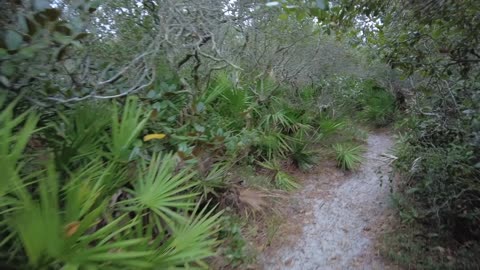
141	134
436	47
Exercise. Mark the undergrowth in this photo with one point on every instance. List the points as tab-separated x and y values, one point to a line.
133	175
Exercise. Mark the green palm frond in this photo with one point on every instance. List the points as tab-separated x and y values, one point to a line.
88	186
235	102
349	157
218	87
213	93
303	152
214	179
278	121
307	94
300	119
163	191
285	181
273	144
192	241
328	126
62	216
15	132
272	165
126	129
83	131
281	179
57	228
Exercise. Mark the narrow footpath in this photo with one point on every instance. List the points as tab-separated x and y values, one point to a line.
338	216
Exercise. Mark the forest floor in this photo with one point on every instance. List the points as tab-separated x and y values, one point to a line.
334	221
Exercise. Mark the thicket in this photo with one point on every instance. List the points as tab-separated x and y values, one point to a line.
124	127
436	47
81	188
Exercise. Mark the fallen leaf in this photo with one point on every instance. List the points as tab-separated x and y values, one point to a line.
156	136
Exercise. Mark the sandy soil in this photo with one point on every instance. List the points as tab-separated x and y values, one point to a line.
333	221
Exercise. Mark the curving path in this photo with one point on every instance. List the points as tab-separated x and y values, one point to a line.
339	216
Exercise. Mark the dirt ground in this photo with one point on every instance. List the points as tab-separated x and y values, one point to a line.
334	220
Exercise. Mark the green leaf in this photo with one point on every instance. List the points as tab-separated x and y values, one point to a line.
7	69
4	81
62	39
27	52
199	128
301	15
200	107
283	16
70	65
13	40
32	27
412	190
151	94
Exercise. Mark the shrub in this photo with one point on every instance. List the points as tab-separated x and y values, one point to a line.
348	156
273	145
328	126
303	152
378	106
442	185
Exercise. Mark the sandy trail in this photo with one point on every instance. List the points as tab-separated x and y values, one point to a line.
339	215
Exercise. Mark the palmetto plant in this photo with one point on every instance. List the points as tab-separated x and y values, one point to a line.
328	126
307	94
214	179
282	179
349	157
192	241
82	131
303	152
213	103
44	220
15	132
65	217
125	130
278	120
273	144
57	227
227	103
218	87
161	190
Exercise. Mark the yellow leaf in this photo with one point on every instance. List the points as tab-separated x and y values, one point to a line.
156	136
